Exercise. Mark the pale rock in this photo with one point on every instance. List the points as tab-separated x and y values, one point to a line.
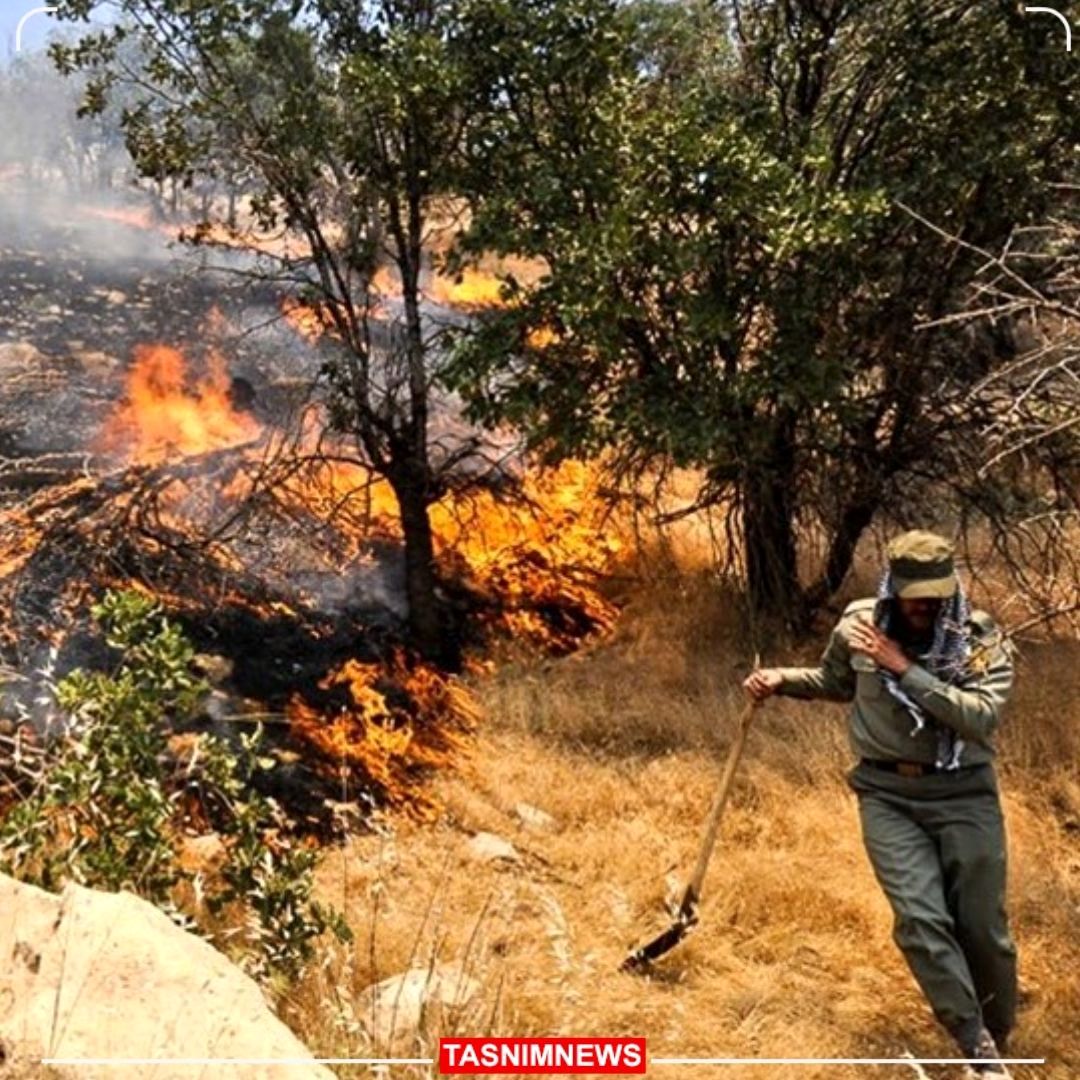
487	847
532	817
18	356
95	363
104	975
392	1011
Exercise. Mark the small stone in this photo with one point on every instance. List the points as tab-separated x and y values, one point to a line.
95	363
532	817
19	356
214	668
487	847
393	1010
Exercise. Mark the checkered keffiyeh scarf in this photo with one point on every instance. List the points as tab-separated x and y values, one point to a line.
947	658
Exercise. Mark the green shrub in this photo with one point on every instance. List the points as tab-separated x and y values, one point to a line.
108	807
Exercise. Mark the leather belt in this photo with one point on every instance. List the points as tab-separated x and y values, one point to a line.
905	768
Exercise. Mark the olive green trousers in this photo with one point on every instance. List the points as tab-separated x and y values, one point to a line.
937	846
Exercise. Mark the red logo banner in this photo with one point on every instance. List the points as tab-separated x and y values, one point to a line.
543	1056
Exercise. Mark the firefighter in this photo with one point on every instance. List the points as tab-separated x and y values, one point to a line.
928	679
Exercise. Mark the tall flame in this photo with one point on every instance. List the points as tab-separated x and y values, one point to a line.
396	717
528	564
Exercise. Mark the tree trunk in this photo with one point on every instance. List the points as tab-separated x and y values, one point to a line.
426	626
768	497
772	575
854	522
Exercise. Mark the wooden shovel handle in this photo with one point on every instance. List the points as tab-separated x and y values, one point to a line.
712	826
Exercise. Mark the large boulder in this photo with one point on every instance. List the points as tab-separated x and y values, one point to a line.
104	975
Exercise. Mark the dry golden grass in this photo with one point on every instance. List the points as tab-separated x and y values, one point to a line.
622	745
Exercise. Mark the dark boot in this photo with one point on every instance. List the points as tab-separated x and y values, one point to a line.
984	1048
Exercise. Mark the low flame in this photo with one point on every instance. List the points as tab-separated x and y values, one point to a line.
473	289
310	321
531	560
395	718
165	415
528	563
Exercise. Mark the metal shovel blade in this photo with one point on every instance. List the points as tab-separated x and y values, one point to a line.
664	942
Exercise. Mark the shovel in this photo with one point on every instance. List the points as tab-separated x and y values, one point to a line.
686	915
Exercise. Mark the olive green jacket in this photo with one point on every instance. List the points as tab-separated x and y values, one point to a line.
880	727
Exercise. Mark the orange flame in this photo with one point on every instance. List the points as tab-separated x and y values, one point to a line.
423	727
529	564
310	321
536	558
474	289
163	417
541	337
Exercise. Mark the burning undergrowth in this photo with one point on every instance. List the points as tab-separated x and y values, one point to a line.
279	554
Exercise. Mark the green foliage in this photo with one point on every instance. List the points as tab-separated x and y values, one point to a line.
268	873
107	810
102	814
733	282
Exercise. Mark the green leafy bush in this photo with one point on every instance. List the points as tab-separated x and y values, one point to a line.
111	801
267	872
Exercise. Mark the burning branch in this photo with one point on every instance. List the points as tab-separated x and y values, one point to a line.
262	542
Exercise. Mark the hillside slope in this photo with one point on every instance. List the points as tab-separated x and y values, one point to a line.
622	747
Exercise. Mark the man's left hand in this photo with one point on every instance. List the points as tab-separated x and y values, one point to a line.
886	653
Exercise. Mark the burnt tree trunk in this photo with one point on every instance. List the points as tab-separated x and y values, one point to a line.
410	474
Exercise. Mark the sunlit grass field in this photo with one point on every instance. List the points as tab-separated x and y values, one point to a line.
622	746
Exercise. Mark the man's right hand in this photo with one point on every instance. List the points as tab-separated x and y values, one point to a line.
762	683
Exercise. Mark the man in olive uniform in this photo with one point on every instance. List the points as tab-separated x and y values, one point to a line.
928	679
